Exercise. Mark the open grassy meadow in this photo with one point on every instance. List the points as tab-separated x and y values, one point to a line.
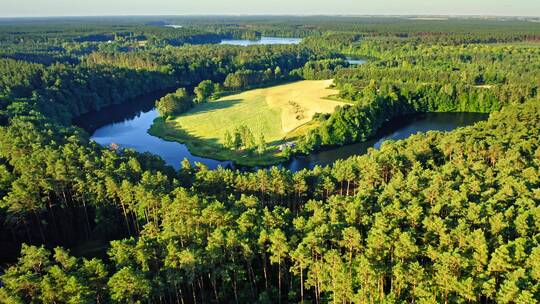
280	113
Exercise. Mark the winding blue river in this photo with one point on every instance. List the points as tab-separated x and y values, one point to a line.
127	126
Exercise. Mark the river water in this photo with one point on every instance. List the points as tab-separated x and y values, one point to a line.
127	125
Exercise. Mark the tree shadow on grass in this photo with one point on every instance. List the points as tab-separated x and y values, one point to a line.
275	142
212	148
212	106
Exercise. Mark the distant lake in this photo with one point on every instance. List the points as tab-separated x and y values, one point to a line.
127	126
264	40
356	61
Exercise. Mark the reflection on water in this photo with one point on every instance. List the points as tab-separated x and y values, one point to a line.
262	41
127	126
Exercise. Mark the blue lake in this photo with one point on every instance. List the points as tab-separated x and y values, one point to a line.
263	41
356	61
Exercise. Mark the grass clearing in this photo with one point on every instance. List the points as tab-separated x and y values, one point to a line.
281	113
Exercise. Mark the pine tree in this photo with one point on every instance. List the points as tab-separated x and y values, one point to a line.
129	285
237	139
261	144
248	141
228	140
278	250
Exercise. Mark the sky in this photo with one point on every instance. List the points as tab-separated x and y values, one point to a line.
39	8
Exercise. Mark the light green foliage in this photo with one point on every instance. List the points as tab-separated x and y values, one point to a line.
174	103
261	144
228	141
129	286
243	138
64	279
204	90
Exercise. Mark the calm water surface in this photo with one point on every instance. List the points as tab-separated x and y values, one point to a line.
127	126
263	40
356	61
399	128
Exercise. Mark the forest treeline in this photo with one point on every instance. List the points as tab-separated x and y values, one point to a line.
408	78
58	40
63	91
437	218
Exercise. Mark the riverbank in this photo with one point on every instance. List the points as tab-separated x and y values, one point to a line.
208	148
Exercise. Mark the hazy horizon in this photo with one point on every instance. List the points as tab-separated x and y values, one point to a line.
73	8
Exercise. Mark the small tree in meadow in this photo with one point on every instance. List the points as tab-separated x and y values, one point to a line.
228	141
261	144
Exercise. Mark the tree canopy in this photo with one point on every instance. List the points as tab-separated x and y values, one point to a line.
440	217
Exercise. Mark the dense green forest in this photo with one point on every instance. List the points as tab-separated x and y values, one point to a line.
436	218
410	76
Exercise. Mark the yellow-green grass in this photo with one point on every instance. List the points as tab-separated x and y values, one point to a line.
273	112
301	130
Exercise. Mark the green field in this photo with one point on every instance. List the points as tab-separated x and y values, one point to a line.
280	113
